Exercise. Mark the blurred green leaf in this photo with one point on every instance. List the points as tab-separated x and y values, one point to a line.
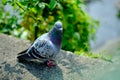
4	2
52	4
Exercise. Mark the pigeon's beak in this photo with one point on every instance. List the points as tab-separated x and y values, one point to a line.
60	29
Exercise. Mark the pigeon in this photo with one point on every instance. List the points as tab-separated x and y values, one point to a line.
45	48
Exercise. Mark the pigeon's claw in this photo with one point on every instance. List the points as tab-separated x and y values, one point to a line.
50	63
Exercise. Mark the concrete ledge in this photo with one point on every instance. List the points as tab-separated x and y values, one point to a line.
70	66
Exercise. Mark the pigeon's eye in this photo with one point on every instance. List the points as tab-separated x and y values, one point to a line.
59	26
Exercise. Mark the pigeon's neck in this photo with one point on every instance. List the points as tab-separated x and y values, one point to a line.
56	37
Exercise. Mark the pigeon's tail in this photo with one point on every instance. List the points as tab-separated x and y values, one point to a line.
23	57
24	51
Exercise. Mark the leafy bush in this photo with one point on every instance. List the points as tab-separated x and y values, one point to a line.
38	16
9	23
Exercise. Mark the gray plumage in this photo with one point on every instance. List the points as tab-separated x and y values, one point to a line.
45	47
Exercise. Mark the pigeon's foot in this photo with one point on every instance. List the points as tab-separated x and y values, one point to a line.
50	63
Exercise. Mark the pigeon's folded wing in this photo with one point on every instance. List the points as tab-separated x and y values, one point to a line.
43	49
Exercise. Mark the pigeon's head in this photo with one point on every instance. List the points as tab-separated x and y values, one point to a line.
58	26
56	33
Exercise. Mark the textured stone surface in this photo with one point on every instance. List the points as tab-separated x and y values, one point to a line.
69	66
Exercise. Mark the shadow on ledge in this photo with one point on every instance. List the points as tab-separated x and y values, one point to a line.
21	71
43	72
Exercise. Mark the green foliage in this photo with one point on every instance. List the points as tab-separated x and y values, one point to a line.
9	23
38	16
94	55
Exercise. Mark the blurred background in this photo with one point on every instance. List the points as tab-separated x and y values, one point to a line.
108	13
88	24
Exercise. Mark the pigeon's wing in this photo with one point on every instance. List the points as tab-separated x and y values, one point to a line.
39	50
42	49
